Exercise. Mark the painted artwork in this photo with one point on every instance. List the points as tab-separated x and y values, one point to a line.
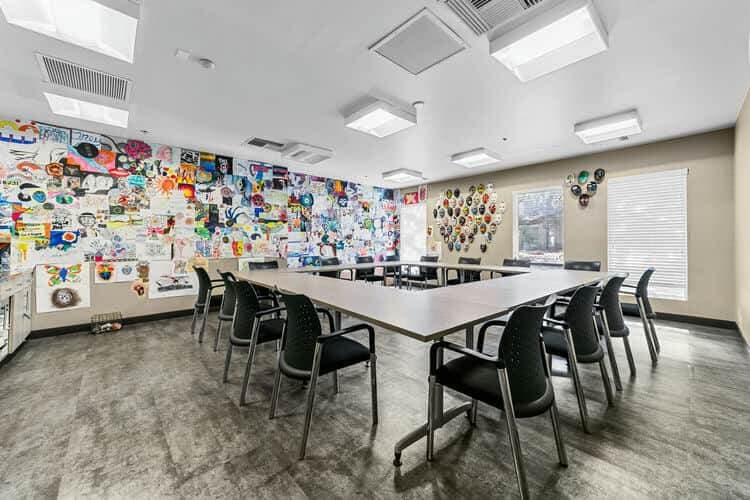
171	279
62	287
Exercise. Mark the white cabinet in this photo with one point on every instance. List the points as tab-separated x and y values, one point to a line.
15	312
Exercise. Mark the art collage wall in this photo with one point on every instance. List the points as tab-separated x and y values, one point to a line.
145	213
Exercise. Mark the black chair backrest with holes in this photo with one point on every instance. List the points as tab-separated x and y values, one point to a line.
521	351
583	265
365	273
329	261
247	306
517	262
230	294
302	331
579	315
204	285
258	266
641	290
609	300
468	276
429	273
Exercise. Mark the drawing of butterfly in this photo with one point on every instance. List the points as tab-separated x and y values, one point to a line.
63	274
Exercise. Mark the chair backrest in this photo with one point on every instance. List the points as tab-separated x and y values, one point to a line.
247	306
257	266
329	261
302	331
521	352
641	289
429	273
363	273
583	265
517	262
204	284
230	293
470	275
580	316
609	299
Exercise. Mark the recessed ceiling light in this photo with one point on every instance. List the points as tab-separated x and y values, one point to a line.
402	175
563	35
84	110
381	119
85	23
476	158
609	127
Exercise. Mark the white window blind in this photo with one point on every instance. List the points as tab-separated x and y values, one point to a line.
413	231
647	227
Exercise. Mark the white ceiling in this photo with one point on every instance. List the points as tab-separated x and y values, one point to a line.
289	71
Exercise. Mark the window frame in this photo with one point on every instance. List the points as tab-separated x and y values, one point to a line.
516	239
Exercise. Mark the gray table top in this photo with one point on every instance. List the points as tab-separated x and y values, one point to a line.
431	314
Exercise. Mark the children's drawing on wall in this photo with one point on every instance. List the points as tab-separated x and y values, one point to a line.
62	287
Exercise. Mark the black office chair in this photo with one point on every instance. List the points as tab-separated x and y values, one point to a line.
264	294
306	353
576	339
330	261
466	276
612	324
368	275
392	272
250	328
645	311
424	274
202	304
228	304
516	381
583	265
514	263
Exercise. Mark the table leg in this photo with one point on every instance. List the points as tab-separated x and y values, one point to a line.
445	276
337	320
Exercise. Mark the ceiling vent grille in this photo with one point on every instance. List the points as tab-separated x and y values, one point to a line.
258	142
483	15
82	79
304	153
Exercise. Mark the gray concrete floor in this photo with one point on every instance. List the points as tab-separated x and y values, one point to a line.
142	413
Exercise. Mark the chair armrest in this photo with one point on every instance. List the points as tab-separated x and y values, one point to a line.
266	312
563	300
556	322
327	313
483	330
445	345
351	329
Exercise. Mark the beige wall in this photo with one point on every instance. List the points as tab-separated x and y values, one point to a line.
741	226
709	157
112	297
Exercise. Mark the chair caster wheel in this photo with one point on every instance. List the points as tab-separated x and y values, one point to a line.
397	459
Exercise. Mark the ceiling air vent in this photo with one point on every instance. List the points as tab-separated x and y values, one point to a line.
420	43
483	15
304	153
258	142
82	79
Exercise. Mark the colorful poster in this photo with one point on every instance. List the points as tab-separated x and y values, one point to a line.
171	279
62	287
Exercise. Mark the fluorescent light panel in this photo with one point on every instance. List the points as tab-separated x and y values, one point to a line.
381	119
402	175
559	37
476	158
84	110
609	127
86	23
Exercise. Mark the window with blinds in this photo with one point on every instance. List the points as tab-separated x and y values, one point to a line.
647	227
538	225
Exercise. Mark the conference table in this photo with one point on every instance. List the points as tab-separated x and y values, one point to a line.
427	315
442	267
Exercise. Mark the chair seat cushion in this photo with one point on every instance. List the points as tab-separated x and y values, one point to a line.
269	330
623	332
479	380
554	343
337	353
